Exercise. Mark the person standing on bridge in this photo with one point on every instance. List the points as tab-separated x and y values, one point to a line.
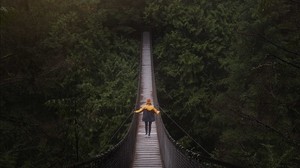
148	115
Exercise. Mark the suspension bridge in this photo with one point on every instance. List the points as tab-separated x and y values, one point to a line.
159	150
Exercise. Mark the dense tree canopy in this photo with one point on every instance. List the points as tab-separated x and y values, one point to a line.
228	72
68	72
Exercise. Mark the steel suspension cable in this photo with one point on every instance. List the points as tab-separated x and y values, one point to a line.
120	126
186	133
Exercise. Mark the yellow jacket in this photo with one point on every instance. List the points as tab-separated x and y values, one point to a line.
147	107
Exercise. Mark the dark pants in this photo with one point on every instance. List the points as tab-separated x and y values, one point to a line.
148	127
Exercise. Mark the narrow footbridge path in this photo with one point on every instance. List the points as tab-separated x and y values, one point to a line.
147	152
159	150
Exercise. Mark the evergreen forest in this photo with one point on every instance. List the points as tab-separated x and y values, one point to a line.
227	71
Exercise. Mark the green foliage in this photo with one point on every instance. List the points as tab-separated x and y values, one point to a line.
68	79
227	72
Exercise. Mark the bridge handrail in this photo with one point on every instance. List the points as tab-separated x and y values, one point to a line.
171	156
175	155
116	156
120	155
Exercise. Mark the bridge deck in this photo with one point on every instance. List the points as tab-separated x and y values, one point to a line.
147	152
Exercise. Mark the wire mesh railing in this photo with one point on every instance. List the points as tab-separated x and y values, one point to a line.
174	154
121	155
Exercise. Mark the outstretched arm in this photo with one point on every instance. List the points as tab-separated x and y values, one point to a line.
156	111
139	110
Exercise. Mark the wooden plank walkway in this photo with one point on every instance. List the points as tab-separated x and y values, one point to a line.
147	152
